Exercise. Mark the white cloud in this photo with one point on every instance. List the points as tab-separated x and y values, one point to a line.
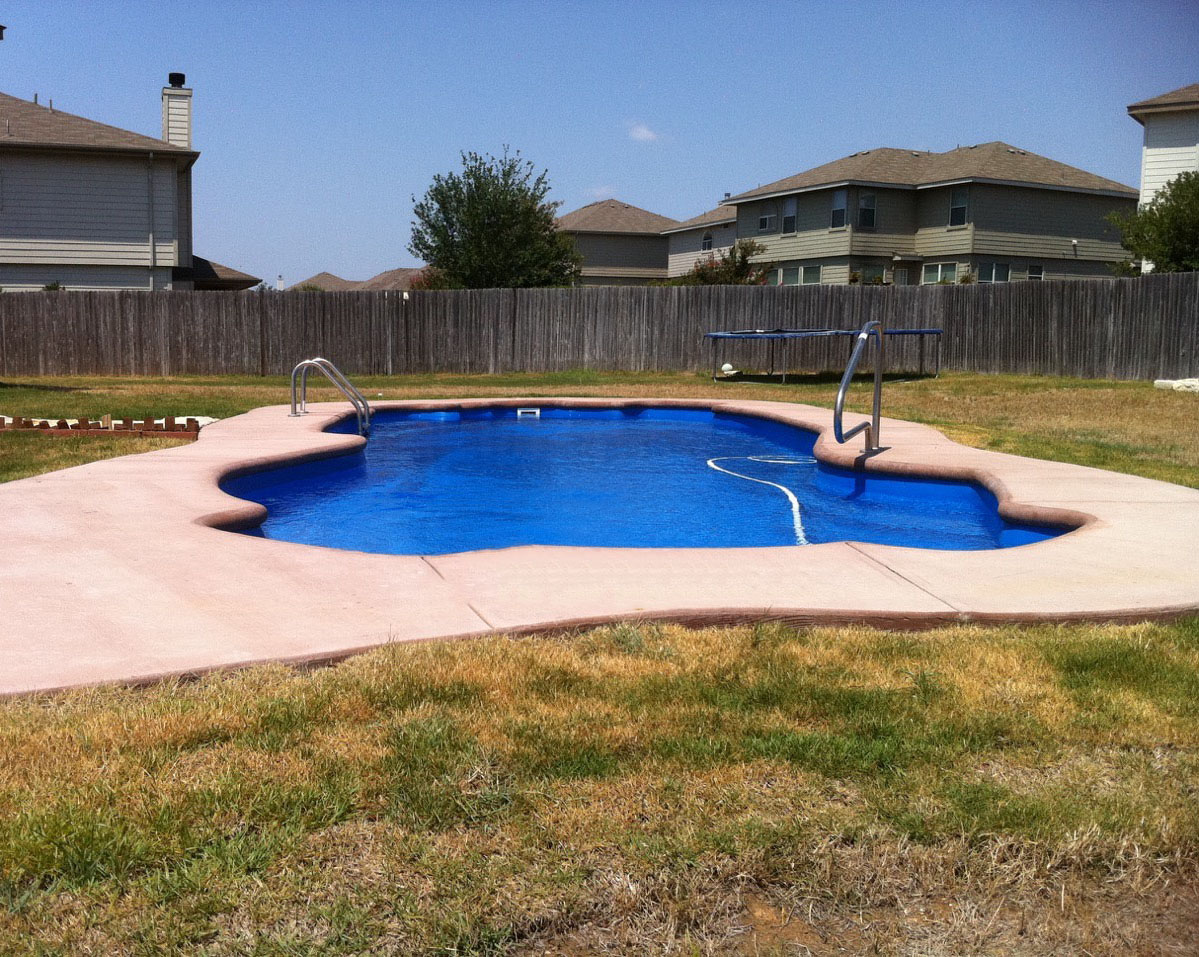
642	133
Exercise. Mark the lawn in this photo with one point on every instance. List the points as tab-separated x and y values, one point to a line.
637	788
1126	426
630	789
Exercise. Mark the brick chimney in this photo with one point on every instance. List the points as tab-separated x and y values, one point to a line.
177	112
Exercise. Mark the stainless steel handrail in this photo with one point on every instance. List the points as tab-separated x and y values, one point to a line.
361	407
870	428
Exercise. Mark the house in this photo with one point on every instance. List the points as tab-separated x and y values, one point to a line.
389	280
992	211
706	235
621	244
1171	140
88	206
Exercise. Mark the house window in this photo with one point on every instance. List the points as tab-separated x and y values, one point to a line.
957	206
768	223
790	275
837	219
873	274
1036	272
789	214
811	275
940	272
866	211
706	243
993	272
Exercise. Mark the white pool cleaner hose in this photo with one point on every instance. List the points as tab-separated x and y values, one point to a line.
800	537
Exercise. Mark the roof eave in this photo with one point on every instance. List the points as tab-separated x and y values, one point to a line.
1139	112
710	223
1126	192
832	184
165	150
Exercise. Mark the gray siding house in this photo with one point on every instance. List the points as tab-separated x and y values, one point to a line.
89	206
621	244
701	237
992	211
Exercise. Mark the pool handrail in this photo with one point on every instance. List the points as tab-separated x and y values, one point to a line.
361	407
875	328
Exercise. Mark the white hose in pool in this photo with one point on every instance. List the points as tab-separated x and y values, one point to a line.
800	537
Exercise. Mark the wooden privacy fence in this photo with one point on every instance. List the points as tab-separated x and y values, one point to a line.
1111	328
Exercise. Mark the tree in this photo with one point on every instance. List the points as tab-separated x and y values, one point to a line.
1166	231
732	268
490	226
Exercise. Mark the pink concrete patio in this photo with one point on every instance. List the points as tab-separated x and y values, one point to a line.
118	572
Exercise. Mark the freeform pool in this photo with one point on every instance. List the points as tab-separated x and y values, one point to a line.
456	480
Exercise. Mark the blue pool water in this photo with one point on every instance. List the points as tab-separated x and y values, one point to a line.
448	481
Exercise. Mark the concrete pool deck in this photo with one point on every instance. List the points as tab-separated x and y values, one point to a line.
119	571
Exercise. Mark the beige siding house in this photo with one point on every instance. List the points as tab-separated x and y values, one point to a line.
702	237
621	244
1171	140
992	211
89	206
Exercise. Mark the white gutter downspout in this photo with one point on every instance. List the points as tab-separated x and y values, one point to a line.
150	204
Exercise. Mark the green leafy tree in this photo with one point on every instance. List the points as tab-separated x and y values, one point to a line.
1166	231
731	268
490	226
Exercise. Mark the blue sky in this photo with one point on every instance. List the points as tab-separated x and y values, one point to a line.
318	122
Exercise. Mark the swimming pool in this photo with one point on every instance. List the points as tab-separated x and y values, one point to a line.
457	480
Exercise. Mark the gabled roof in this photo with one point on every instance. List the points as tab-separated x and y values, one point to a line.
33	126
613	216
327	282
713	217
915	169
1184	98
390	279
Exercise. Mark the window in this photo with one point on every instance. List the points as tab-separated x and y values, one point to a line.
706	243
790	275
993	272
811	275
837	219
866	211
957	206
774	277
789	214
768	223
1036	272
940	272
874	274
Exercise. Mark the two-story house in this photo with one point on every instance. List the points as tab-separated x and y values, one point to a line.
621	244
84	205
701	237
992	211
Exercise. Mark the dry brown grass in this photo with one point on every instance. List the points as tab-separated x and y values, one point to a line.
631	789
1126	426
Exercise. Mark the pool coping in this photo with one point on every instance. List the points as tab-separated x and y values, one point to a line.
120	571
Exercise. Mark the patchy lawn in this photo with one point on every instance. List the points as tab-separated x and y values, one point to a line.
636	788
630	789
1126	426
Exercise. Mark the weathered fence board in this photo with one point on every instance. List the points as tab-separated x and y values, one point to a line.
1118	328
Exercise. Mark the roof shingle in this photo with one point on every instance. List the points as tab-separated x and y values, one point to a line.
914	168
1184	98
613	216
721	214
32	125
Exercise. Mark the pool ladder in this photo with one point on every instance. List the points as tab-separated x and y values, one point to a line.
300	374
875	328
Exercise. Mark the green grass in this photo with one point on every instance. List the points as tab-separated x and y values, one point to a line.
1125	426
628	787
634	788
